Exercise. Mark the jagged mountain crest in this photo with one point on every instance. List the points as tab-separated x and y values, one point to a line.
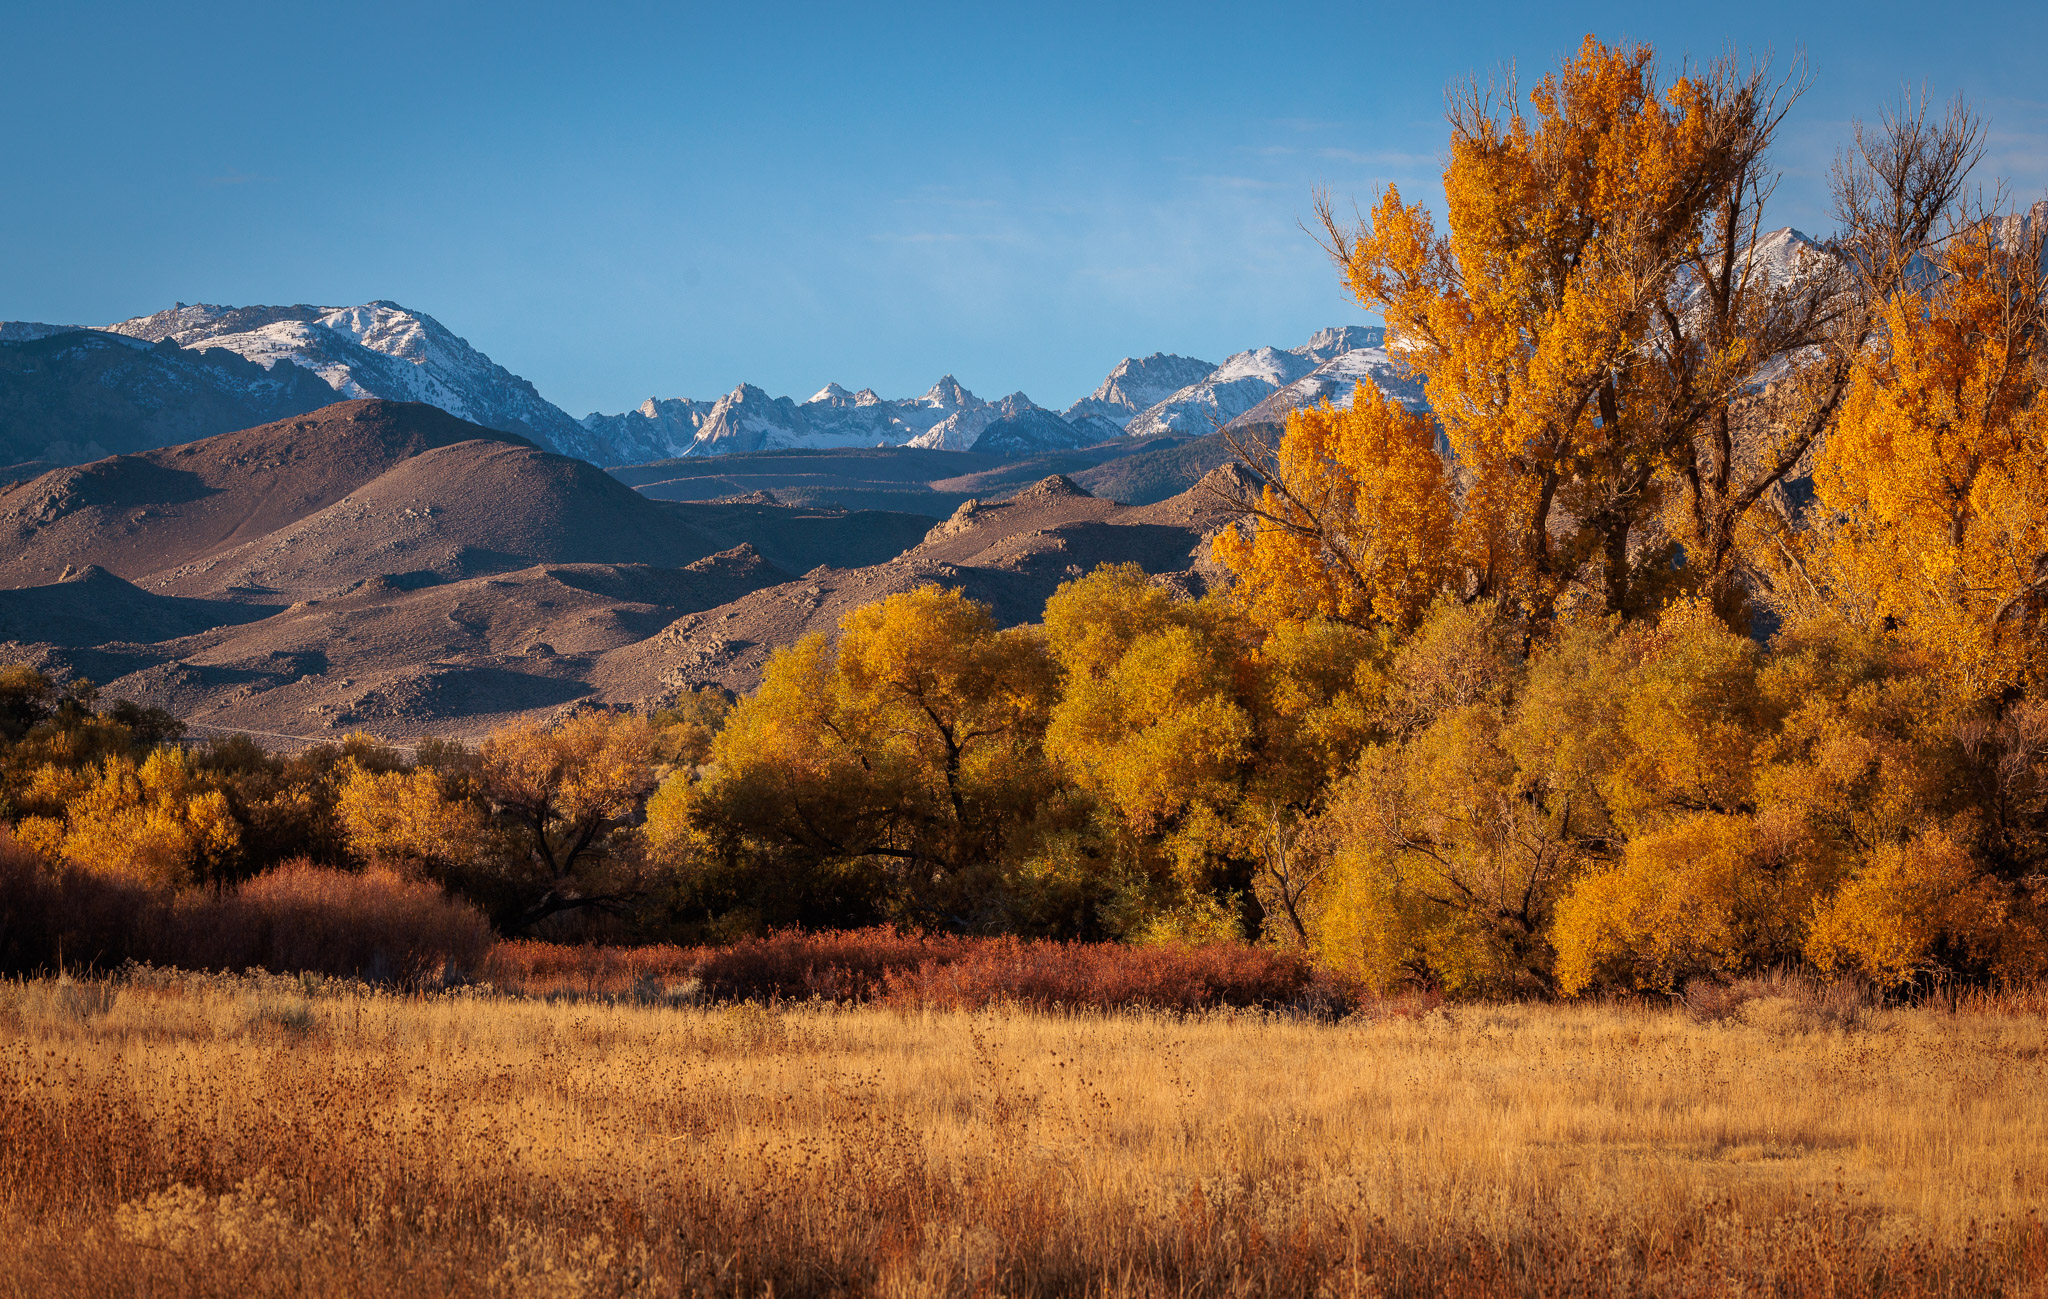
1136	383
378	349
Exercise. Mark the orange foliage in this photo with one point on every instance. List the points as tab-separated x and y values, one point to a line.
1531	320
1354	523
1938	473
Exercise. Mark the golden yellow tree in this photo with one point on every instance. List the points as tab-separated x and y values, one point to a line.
562	791
155	822
1353	522
891	772
1622	377
409	819
1211	747
1924	908
1936	480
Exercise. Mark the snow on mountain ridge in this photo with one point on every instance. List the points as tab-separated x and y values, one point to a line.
1336	381
377	349
1245	381
1180	395
28	331
1137	383
945	416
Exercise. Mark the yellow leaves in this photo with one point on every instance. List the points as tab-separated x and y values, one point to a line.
911	746
52	788
1938	471
1193	731
1923	907
592	767
670	831
1150	719
42	835
1576	388
1091	621
157	823
1694	718
1701	896
1356	524
931	662
406	818
1161	730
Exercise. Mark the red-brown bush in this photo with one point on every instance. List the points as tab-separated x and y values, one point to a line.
532	966
299	917
375	925
65	917
923	970
1102	976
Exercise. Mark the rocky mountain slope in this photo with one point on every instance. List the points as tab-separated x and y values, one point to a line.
1136	384
1244	381
1336	381
916	479
1011	554
148	514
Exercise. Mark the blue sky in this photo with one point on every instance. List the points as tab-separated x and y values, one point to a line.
617	201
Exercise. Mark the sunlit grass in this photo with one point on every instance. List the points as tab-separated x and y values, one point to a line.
237	1136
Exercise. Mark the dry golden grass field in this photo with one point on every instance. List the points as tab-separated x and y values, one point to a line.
222	1136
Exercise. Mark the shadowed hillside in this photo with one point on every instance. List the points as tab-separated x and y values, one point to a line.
78	395
382	565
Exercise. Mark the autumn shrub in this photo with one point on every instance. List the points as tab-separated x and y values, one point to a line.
1920	909
851	965
928	971
538	967
376	925
299	917
1109	976
790	965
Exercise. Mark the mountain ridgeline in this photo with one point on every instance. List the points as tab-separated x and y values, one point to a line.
70	394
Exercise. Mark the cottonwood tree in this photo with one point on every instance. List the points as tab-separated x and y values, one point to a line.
1621	374
562	791
892	770
1210	748
1935	485
1353	522
529	825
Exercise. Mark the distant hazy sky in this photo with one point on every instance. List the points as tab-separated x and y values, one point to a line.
617	201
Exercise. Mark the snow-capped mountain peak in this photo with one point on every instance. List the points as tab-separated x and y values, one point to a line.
378	349
1247	380
1136	383
1331	343
948	394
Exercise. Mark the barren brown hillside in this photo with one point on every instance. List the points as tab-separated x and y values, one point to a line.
1011	554
141	514
387	567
